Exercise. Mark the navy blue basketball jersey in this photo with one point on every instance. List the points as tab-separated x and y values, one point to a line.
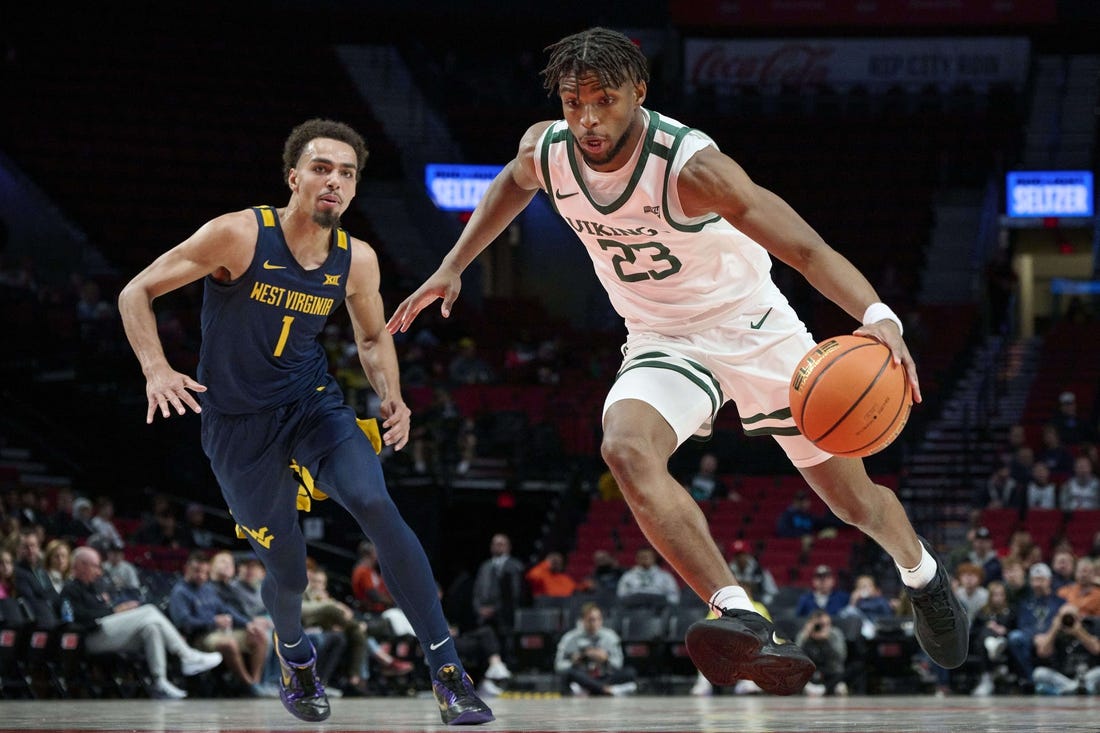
259	332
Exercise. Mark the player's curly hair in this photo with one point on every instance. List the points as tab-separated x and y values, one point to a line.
312	129
608	54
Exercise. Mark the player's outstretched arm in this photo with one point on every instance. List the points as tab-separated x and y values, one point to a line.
506	197
219	244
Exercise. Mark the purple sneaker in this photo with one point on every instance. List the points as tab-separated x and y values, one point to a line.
301	691
458	702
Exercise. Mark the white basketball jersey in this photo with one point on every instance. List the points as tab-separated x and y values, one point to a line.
663	271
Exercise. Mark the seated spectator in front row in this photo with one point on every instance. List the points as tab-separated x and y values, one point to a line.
589	658
1062	566
1034	616
989	636
748	571
826	646
646	582
969	589
822	596
1084	592
129	626
605	575
548	578
203	617
867	603
1067	656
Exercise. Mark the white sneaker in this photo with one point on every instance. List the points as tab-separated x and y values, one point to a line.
577	690
841	689
702	688
197	662
498	671
812	689
165	690
984	688
624	688
488	688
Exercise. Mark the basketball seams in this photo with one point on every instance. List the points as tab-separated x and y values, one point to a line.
855	403
834	359
831	393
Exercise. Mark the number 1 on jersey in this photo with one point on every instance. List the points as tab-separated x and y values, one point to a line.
287	320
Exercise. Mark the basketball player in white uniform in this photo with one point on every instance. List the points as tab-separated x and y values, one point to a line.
680	237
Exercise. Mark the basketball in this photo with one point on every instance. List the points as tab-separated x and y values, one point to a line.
849	398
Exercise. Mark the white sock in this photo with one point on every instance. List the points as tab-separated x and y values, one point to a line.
732	596
918	577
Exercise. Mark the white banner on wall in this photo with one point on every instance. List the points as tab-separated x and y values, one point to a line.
877	63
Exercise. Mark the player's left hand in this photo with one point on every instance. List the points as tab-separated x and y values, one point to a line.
887	333
395	422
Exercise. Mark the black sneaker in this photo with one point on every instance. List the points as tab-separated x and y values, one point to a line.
742	645
301	690
940	622
458	702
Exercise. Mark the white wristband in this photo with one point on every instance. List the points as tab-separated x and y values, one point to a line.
881	312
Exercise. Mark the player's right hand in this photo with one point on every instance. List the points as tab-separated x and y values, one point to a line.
442	284
165	388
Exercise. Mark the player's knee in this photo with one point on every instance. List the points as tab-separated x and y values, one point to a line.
624	455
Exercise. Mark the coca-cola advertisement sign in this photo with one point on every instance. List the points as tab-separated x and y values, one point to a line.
770	65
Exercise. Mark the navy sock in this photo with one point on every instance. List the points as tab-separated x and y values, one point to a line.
298	652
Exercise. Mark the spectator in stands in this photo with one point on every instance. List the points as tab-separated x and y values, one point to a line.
195	531
981	553
1082	489
1034	616
589	658
1072	429
748	571
56	559
646	582
9	533
59	522
969	588
826	646
1000	491
119	574
212	625
1067	656
1014	575
1021	466
548	578
1054	453
248	584
31	578
706	484
1084	593
822	596
989	633
498	587
130	626
1062	564
466	366
798	521
7	574
867	603
82	527
442	436
103	523
163	530
367	586
604	577
27	510
1042	493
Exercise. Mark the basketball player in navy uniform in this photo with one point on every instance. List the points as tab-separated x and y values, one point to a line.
680	238
274	422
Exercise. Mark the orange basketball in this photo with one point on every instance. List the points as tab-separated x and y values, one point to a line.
849	398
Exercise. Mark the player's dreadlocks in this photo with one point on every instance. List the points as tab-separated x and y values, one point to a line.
610	55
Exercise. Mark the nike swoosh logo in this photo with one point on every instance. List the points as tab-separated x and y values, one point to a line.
269	266
558	194
756	326
438	644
